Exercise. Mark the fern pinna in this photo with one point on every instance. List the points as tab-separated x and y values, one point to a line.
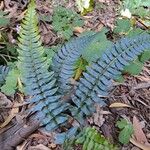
44	86
39	83
92	140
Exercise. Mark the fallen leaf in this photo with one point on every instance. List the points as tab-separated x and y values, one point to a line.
135	148
140	145
142	78
4	101
98	117
116	105
148	135
138	132
38	136
52	145
78	29
13	113
1	5
39	147
22	146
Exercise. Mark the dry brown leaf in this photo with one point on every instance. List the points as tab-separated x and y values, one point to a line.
88	17
116	105
13	113
78	29
138	132
135	148
148	135
1	5
38	136
4	101
39	147
141	78
98	117
21	16
22	146
140	145
52	145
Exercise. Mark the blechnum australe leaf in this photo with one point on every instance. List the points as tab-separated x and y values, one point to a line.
95	83
39	83
92	140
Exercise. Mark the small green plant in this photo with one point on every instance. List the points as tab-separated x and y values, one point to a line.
10	85
137	7
4	20
8	50
64	21
123	26
126	130
92	140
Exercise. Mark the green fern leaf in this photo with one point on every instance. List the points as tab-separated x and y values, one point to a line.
96	82
39	83
92	140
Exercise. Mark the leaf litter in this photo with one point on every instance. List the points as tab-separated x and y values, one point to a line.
126	100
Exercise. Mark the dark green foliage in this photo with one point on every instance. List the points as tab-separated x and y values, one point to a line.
122	26
3	73
39	83
64	21
126	131
137	7
134	68
96	82
10	85
4	20
145	56
97	47
92	140
8	50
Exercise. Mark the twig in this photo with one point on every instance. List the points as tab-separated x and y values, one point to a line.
10	138
142	85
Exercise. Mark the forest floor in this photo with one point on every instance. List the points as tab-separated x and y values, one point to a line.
134	92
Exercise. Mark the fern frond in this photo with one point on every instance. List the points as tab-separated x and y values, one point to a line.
65	59
39	83
92	140
96	83
3	73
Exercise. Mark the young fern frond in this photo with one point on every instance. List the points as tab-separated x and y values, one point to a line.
92	140
39	83
65	59
97	79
